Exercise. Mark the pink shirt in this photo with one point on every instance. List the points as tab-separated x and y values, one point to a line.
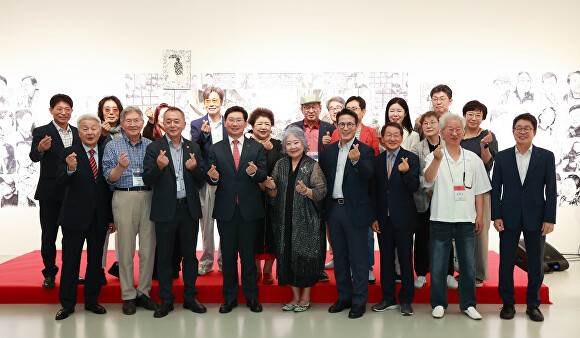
311	134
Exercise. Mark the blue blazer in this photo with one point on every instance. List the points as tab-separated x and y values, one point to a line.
47	189
234	182
84	198
325	127
396	193
198	137
354	185
531	202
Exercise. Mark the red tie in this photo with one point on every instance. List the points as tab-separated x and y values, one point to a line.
236	154
93	163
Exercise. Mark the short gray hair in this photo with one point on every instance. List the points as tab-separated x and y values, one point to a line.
88	117
130	109
335	98
296	131
449	117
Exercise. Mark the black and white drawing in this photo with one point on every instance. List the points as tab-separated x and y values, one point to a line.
176	69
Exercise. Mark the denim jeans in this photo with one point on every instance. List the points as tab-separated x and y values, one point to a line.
442	234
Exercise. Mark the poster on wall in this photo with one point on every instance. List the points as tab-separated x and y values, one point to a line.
176	69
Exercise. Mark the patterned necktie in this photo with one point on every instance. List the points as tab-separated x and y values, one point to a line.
390	166
93	163
236	154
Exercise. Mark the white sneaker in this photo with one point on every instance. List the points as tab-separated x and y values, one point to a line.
438	312
472	313
452	283
420	281
329	265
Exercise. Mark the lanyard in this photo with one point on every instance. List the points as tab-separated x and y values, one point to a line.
449	167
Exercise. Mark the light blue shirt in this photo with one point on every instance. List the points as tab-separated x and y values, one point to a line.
396	152
178	165
87	149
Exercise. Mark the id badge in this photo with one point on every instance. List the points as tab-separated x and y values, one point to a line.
459	191
177	183
313	155
138	178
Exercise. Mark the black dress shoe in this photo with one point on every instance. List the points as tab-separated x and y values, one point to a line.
339	306
195	306
357	311
163	310
81	281
48	284
254	305
146	302
508	311
228	305
96	309
129	307
534	313
63	313
114	270
324	277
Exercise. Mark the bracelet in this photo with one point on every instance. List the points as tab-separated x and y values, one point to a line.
305	193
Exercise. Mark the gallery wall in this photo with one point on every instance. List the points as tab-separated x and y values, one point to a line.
85	49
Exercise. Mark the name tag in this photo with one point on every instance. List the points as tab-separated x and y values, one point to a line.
138	178
459	191
177	183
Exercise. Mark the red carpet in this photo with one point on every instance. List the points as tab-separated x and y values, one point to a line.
21	279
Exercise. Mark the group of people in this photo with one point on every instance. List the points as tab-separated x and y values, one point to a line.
426	186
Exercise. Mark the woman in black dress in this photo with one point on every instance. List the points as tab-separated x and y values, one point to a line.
262	121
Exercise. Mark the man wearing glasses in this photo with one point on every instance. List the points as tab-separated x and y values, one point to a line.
459	180
206	131
47	143
523	199
441	99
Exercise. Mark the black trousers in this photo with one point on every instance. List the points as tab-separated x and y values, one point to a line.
49	211
421	254
72	248
237	236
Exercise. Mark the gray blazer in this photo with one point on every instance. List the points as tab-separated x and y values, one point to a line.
422	199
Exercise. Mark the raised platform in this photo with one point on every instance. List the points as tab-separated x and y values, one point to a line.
21	279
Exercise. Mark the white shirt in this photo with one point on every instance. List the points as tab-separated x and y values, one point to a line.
444	207
240	144
216	130
340	165
523	162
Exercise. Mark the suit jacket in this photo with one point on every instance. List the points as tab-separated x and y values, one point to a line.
324	128
531	202
84	198
164	201
234	183
396	192
198	137
354	185
367	136
422	199
47	188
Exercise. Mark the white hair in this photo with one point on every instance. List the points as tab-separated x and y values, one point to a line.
89	117
449	117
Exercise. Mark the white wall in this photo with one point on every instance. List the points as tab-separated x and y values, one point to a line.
84	48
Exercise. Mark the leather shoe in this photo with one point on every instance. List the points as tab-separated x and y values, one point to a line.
63	313
228	305
48	284
508	311
81	281
254	305
195	306
324	277
268	278
96	309
114	270
129	307
339	305
357	311
534	313
146	302
163	310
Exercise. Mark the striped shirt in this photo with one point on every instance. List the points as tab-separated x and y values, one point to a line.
135	154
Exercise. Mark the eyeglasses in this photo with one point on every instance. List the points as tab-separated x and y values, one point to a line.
439	99
335	108
472	115
311	108
61	109
354	109
211	101
392	135
133	121
527	129
349	125
430	124
465	185
113	110
230	121
451	131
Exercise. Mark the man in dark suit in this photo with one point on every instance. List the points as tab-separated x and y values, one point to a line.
348	167
206	131
237	165
47	143
85	215
318	133
523	199
395	179
173	166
